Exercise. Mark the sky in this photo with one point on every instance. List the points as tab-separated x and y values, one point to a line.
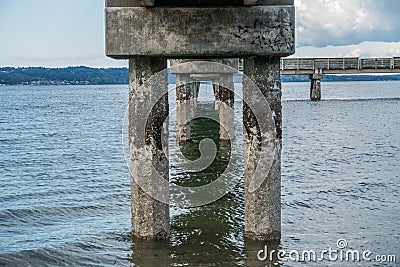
59	33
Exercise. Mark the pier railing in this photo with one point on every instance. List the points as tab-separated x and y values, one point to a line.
337	65
314	64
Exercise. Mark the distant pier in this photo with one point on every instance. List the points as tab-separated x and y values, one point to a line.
317	67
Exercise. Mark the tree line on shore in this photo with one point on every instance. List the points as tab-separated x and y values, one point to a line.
69	75
85	76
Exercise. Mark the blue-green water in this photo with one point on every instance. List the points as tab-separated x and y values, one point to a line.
65	199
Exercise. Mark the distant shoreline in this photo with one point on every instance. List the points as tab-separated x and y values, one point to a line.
63	76
120	76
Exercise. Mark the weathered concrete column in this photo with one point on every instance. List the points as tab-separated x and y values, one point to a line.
195	86
315	90
150	217
197	90
216	94
263	206
226	99
184	97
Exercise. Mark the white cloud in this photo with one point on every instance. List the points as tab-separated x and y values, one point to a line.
364	49
56	33
342	22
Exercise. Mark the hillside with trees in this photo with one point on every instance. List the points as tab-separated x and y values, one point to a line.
86	76
70	75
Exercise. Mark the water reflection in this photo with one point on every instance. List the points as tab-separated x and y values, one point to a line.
148	253
211	235
253	252
206	236
200	240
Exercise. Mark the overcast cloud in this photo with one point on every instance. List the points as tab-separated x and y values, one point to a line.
347	22
71	32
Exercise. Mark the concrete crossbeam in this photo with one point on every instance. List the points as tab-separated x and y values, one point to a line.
150	3
200	32
204	67
129	3
204	77
268	2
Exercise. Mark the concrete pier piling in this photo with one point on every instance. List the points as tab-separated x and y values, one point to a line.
149	154
315	90
184	107
262	206
216	94
226	98
150	31
196	91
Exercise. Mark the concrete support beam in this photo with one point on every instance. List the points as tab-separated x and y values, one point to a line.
190	32
268	2
315	89
226	112
201	71
198	3
150	217
262	206
188	3
129	3
184	106
205	77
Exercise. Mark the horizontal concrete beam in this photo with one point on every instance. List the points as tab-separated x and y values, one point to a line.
198	3
204	77
129	3
200	32
138	3
231	62
268	2
207	66
201	67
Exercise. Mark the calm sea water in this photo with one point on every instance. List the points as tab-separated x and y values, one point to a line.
65	200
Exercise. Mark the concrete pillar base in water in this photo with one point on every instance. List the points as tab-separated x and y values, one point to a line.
195	86
148	137
184	107
216	94
262	206
315	90
226	99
